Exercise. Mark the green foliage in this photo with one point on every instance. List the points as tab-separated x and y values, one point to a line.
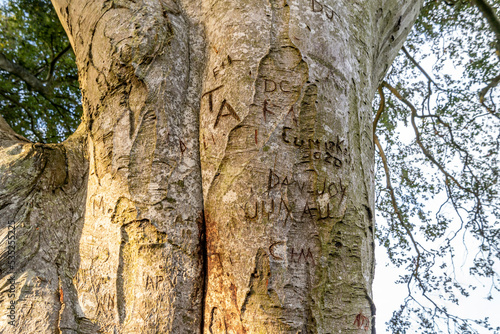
31	36
451	163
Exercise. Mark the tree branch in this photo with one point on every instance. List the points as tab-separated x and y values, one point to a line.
381	108
7	135
493	20
410	58
417	136
391	192
450	2
30	115
428	155
54	61
392	32
489	14
23	74
482	93
396	208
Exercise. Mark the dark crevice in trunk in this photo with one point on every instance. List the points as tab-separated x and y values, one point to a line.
61	305
202	227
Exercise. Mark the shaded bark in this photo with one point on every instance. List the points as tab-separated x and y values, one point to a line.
221	180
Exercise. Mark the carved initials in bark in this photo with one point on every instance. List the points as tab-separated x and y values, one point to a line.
109	238
230	109
280	85
141	252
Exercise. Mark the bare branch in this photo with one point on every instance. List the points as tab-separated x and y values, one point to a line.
407	54
425	151
54	61
428	155
493	83
396	208
381	108
408	231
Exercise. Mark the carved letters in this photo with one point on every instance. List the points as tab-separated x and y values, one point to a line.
224	105
266	209
105	302
265	110
182	146
229	109
153	282
86	281
305	256
296	255
272	250
97	205
333	152
318	7
271	86
279	208
332	188
228	61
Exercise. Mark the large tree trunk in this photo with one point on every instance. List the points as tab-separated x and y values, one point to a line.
221	180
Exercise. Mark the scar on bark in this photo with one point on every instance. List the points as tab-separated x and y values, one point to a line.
261	298
135	234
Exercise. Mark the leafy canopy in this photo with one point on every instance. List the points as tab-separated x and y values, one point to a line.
39	91
438	138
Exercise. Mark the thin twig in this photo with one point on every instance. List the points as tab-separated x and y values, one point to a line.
407	54
429	156
54	61
417	136
396	208
381	108
23	74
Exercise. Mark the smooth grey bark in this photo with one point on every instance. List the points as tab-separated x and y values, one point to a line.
221	180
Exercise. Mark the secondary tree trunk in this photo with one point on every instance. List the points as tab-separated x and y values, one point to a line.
221	180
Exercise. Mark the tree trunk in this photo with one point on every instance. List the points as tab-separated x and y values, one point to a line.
221	180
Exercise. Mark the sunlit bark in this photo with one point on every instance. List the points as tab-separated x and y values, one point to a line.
221	180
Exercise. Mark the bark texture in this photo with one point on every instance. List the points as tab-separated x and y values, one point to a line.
221	180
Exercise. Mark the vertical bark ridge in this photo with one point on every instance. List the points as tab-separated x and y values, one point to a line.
137	264
140	88
282	91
